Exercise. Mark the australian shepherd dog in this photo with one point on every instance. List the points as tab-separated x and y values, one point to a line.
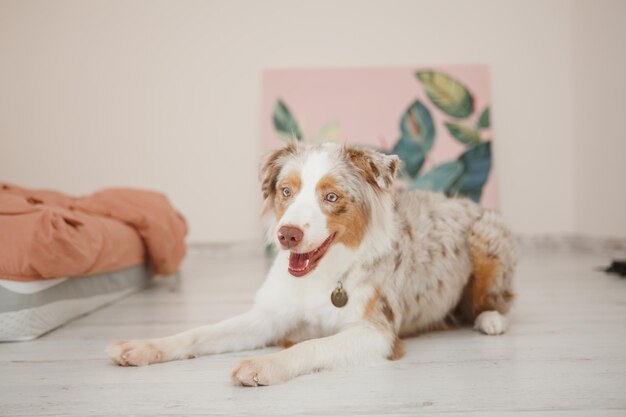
360	266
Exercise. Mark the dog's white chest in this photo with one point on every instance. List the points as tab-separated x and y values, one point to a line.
317	308
308	299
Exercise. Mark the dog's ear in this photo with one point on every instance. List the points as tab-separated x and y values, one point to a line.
377	169
271	166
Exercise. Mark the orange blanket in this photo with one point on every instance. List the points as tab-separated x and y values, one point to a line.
46	234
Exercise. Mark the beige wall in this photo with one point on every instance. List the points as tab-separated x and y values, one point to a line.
166	95
599	68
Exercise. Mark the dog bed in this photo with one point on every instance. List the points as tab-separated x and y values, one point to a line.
30	309
63	256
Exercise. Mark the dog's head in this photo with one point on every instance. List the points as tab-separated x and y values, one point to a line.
319	196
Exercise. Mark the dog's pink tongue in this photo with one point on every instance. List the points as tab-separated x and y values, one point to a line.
299	261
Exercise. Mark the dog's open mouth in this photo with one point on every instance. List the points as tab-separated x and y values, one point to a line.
301	264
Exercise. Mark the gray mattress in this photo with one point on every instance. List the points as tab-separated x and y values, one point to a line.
30	309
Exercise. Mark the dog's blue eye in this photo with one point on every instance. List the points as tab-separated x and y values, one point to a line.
331	197
286	192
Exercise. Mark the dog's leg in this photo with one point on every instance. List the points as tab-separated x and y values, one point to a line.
358	344
250	330
489	293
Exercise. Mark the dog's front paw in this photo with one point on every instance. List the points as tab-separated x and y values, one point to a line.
259	371
134	353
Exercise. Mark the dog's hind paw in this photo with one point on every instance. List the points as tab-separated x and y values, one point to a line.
491	323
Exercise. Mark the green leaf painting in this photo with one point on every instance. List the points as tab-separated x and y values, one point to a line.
440	178
484	121
417	124
452	97
284	122
411	154
463	134
477	164
464	176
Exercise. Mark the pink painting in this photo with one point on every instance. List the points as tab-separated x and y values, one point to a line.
436	119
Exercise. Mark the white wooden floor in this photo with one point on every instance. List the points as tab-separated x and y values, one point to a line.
564	355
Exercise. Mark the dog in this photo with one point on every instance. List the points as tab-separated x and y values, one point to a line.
360	266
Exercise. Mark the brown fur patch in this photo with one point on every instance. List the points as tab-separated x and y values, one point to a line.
294	183
363	164
374	169
271	169
285	343
393	169
373	166
379	312
486	289
370	307
397	351
486	272
292	180
346	217
328	184
387	311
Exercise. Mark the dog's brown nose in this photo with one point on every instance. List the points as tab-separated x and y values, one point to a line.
290	236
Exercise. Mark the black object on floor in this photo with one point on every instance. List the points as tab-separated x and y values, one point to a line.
618	268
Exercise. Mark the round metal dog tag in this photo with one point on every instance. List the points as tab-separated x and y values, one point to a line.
339	297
